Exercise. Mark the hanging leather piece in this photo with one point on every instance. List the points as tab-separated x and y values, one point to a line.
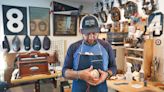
16	44
99	7
115	14
27	43
6	44
103	16
131	8
110	5
46	43
122	3
36	43
149	6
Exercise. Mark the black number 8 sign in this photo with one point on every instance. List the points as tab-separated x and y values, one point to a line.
15	20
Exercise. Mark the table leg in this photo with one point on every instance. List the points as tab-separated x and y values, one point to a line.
54	82
37	86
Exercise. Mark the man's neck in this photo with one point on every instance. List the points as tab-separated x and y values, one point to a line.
90	44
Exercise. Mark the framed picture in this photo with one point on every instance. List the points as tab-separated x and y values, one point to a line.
14	20
65	25
39	21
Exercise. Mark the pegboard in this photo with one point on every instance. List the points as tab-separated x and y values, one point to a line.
60	47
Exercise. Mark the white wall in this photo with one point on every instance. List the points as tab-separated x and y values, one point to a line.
35	3
159	49
88	8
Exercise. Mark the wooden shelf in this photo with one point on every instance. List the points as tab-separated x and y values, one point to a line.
135	58
135	49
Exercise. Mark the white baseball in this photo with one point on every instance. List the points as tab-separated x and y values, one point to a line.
95	73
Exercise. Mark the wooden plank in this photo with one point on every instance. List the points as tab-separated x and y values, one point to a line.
148	57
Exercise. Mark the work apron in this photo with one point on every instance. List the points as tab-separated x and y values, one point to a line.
85	61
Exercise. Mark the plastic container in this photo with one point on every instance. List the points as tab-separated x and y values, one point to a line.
141	75
129	74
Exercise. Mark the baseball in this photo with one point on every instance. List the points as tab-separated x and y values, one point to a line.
95	73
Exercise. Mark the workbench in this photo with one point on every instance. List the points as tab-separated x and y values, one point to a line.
35	79
125	86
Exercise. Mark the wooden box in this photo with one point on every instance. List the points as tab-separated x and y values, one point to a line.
33	64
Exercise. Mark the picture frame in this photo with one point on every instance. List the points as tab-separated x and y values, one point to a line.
14	20
39	21
65	25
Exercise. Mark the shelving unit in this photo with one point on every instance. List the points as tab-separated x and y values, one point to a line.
141	55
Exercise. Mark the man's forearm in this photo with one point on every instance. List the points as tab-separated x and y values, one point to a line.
71	74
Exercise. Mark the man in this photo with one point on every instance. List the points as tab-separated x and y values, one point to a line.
87	54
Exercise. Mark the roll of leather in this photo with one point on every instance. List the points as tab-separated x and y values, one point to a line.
46	43
27	43
36	43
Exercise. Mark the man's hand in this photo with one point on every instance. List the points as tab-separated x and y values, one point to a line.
86	75
103	76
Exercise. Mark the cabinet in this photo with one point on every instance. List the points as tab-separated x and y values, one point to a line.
143	56
119	57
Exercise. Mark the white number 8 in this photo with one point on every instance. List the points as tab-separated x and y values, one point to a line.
14	23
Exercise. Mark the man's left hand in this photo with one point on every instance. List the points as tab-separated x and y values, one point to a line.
103	76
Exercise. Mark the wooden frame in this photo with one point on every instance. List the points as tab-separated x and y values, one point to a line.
65	25
39	21
14	20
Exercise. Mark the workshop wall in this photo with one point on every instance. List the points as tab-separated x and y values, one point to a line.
56	40
88	8
159	49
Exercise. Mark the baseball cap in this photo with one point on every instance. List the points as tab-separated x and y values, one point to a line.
89	24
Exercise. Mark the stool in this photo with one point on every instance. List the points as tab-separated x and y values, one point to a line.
64	84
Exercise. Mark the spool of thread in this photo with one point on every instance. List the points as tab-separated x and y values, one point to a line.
145	83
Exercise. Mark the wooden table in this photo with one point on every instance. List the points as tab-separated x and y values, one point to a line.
124	87
36	79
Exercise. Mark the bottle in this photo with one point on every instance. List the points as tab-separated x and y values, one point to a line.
145	83
129	74
142	75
